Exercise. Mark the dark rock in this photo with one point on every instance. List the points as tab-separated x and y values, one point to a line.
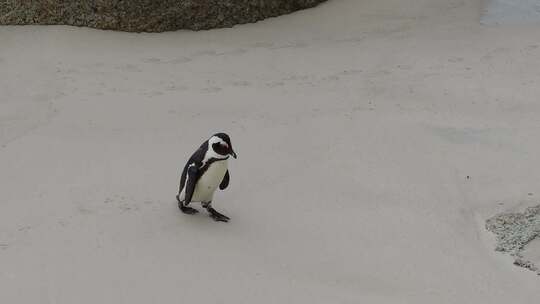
146	15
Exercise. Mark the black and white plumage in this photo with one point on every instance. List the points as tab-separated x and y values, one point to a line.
205	171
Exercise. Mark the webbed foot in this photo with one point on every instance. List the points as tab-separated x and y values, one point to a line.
188	210
218	217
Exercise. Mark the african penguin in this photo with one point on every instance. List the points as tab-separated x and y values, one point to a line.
205	170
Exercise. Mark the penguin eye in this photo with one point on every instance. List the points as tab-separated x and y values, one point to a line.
219	147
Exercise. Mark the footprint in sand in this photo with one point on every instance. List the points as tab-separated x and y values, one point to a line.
212	89
24	228
292	45
174	87
125	207
351	72
180	60
263	45
205	53
455	59
153	93
274	84
85	211
233	52
240	83
151	60
128	68
529	48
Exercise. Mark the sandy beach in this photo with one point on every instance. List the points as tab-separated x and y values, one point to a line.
374	139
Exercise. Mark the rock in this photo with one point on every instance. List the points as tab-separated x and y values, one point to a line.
146	15
514	231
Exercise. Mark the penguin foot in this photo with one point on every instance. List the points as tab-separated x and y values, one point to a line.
218	217
188	210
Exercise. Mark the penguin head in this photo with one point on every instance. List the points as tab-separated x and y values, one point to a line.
221	144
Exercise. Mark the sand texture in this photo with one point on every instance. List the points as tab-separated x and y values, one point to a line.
374	140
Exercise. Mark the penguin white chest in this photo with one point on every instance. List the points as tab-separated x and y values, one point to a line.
209	181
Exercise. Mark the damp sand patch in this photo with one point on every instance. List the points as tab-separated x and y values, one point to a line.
518	234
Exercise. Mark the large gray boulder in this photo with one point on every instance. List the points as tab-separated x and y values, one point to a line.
146	15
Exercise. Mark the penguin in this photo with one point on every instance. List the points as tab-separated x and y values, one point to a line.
206	170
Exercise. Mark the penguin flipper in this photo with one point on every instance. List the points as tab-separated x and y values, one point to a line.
192	177
225	181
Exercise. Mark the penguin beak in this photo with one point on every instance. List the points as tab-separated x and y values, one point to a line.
233	153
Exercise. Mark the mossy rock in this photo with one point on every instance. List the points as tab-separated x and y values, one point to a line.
146	15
